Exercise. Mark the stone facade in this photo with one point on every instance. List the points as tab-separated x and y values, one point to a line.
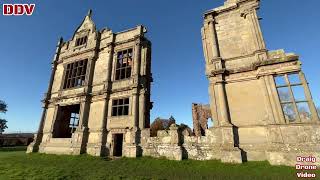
261	96
106	96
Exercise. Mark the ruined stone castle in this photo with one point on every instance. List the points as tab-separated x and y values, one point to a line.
98	100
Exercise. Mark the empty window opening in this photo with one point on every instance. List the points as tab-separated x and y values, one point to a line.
67	121
81	41
75	74
120	107
124	64
292	97
210	123
117	144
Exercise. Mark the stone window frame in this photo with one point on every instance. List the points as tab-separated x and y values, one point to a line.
124	106
67	82
81	41
121	68
83	34
293	96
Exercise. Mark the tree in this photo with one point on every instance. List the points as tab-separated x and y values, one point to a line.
185	129
288	109
161	124
304	113
3	106
3	122
156	126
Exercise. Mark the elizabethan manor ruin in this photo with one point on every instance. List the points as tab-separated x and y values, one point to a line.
99	93
98	100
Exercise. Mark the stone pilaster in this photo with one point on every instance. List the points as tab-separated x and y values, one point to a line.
135	107
142	106
80	136
110	63
137	56
136	76
89	74
214	40
100	149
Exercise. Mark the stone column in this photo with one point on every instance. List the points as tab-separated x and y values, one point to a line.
107	87
136	76
137	56
89	74
80	136
313	109
135	107
224	119
110	63
229	150
222	101
142	106
214	40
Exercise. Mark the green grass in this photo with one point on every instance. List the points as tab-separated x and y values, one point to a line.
18	165
13	148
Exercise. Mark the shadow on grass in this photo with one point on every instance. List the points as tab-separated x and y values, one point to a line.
20	165
13	148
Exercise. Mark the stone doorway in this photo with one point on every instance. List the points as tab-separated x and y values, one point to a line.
117	144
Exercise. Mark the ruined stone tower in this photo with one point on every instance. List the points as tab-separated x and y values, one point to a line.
259	99
98	98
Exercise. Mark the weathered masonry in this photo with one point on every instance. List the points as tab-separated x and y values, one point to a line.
201	114
259	99
99	93
98	101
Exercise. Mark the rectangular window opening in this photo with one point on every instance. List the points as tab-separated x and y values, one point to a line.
289	112
75	74
294	78
67	121
292	97
123	65
81	41
120	107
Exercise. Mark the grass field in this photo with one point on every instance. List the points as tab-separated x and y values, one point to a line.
18	165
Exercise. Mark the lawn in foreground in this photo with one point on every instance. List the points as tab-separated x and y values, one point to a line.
18	165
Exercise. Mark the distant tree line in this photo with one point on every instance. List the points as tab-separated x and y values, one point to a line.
3	122
164	124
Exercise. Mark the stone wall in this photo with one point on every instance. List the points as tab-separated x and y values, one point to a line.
283	144
167	143
174	145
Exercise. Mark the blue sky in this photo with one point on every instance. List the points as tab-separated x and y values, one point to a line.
28	43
